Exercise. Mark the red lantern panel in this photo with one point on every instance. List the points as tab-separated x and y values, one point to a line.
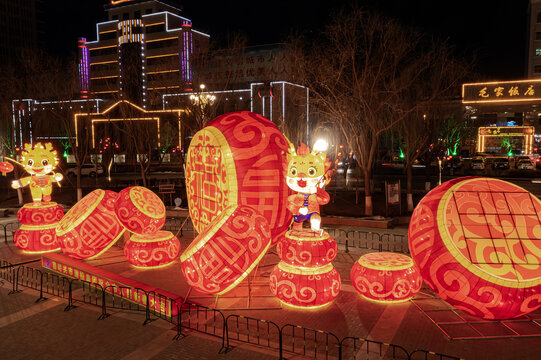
153	250
226	251
140	210
39	213
36	239
306	248
477	244
238	159
386	277
305	287
90	227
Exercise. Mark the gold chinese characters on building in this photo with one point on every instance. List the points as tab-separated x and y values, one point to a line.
503	91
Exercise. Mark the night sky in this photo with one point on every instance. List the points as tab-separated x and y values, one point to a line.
494	30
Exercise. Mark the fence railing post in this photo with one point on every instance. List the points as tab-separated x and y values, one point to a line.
70	296
15	278
281	344
41	297
104	314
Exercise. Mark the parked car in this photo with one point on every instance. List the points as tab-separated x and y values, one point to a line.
478	163
86	170
500	164
525	164
453	162
520	158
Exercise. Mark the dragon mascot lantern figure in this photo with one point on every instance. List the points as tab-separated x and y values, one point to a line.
307	173
39	161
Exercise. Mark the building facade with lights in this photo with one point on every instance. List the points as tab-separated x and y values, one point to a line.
507	115
145	49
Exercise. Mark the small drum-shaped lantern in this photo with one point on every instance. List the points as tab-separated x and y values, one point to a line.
90	227
226	251
386	277
152	250
306	288
306	248
37	232
140	210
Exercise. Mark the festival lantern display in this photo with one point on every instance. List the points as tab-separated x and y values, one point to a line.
38	161
90	227
37	232
305	276
386	277
477	243
5	167
238	159
40	218
152	250
227	250
140	210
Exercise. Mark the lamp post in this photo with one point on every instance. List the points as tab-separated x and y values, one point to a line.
202	100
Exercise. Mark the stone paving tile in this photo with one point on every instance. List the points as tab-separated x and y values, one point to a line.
10	304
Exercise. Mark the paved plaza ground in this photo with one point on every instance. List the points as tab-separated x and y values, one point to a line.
30	330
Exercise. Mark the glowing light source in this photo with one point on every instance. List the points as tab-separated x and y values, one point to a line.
152	250
226	168
386	277
90	227
226	251
140	210
37	232
476	243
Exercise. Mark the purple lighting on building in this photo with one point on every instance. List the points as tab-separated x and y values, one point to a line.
84	83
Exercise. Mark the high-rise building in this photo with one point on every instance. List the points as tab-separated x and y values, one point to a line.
533	55
145	49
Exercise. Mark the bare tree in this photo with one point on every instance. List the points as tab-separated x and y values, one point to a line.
357	73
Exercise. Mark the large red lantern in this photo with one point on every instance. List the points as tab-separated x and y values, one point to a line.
238	159
37	233
226	251
140	210
305	277
477	243
90	227
386	277
152	250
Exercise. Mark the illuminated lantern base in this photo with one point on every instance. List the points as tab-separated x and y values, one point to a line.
41	213
90	227
386	277
227	250
307	288
36	239
153	250
140	210
306	248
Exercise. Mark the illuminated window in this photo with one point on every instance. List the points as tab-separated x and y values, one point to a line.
537	52
119	159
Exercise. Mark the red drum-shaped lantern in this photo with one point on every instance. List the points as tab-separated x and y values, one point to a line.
90	227
305	287
152	250
37	232
306	248
36	239
477	243
39	213
386	277
226	251
238	159
140	210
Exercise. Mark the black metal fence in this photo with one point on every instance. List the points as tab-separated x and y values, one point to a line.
370	240
6	230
